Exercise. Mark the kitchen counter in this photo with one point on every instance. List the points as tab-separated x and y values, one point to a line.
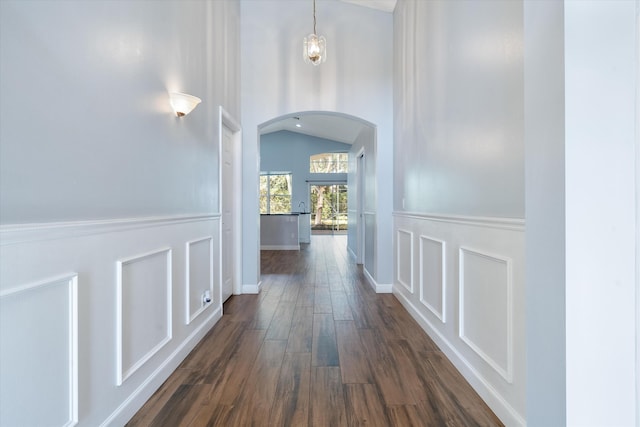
279	231
287	213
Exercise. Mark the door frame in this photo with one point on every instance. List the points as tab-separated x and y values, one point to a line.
360	228
227	120
324	183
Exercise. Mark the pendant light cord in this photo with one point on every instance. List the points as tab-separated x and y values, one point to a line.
314	17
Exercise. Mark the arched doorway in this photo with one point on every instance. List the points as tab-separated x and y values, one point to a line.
300	135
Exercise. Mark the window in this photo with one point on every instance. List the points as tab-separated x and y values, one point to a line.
329	163
275	193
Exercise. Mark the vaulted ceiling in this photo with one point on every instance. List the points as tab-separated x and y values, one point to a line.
385	5
327	125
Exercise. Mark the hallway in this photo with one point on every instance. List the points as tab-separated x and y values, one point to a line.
316	347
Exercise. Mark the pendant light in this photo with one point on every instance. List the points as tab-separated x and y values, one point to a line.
315	47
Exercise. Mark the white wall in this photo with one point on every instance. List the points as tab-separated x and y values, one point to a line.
365	144
458	108
545	212
87	129
459	188
109	202
601	135
349	82
581	85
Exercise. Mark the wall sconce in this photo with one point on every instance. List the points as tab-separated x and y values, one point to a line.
183	103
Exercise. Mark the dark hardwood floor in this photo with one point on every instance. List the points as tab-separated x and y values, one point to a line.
316	347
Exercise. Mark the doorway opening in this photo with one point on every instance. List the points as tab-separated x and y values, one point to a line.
329	208
230	179
324	153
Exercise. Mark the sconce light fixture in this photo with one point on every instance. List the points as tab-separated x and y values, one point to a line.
315	47
183	103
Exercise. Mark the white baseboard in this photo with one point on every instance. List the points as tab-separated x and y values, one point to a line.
279	247
139	397
384	289
378	288
502	409
251	289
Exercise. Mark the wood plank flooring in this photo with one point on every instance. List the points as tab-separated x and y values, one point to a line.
317	347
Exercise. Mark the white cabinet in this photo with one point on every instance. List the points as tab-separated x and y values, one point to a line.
304	228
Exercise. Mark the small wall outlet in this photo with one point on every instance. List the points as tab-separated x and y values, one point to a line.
206	298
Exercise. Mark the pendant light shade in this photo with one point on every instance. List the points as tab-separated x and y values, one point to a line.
314	46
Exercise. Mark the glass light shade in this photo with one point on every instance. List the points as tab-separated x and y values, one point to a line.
315	49
183	103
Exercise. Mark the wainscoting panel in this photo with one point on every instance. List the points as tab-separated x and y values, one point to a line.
470	299
485	308
144	309
404	259
370	260
129	302
36	320
433	276
199	276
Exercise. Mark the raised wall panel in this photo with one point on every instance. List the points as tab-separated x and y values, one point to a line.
36	320
433	276
370	220
38	311
404	259
486	308
144	309
199	269
482	326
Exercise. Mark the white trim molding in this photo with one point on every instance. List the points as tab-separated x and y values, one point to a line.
70	282
442	312
144	315
252	289
502	263
279	247
124	372
470	300
34	232
516	224
226	119
191	317
503	409
145	390
377	287
399	259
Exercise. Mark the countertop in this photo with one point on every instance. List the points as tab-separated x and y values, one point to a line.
290	213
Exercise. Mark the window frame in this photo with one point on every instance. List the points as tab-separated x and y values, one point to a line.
340	162
269	193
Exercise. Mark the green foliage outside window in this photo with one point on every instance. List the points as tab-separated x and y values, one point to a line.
275	193
329	207
329	163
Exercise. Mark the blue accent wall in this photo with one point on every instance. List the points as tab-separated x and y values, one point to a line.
286	151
